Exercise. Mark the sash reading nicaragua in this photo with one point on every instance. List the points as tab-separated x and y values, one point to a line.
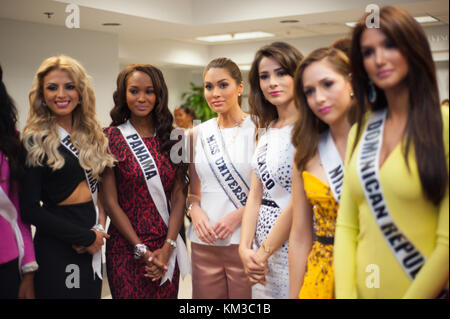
9	212
408	256
332	163
156	191
232	183
93	187
266	160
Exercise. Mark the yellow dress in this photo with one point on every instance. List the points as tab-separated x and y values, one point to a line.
318	282
364	264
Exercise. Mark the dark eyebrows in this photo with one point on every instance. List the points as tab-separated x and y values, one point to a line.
276	70
220	81
137	87
66	83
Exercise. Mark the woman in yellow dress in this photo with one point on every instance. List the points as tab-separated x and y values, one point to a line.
323	95
393	224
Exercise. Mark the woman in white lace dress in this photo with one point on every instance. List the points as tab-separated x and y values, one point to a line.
273	110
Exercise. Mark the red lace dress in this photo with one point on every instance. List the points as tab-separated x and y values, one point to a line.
126	274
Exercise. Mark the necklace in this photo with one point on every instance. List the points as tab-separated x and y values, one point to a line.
236	124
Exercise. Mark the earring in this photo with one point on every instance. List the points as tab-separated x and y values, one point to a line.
239	94
372	93
352	95
44	104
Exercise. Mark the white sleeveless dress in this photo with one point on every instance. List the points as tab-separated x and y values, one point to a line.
280	156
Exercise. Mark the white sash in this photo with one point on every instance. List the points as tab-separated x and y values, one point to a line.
93	187
232	183
408	256
9	212
156	191
332	163
265	161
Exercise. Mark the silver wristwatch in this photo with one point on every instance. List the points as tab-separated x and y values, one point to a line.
139	251
171	242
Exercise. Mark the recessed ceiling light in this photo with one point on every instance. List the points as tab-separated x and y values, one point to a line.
235	36
426	19
111	24
422	19
216	38
251	35
289	21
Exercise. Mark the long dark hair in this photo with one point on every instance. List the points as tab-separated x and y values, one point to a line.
424	128
262	111
10	143
161	115
308	124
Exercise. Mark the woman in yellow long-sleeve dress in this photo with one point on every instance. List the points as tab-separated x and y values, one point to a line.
393	224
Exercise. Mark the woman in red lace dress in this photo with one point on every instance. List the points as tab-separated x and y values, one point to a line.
137	230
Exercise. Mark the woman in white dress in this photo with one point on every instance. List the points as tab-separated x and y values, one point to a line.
219	184
273	109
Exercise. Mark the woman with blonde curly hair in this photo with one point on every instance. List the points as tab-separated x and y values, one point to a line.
66	153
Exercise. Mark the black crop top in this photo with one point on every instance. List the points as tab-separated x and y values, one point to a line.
41	183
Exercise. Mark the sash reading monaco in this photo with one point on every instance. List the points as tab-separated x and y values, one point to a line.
407	255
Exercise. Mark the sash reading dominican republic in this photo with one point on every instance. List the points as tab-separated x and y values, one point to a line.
156	191
232	183
332	163
267	160
9	212
407	255
93	187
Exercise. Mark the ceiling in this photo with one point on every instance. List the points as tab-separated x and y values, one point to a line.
179	22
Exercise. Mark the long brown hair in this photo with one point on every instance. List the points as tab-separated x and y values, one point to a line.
262	111
308	127
161	116
424	125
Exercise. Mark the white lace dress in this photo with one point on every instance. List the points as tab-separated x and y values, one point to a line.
280	156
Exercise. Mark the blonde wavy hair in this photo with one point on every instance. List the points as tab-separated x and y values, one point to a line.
41	136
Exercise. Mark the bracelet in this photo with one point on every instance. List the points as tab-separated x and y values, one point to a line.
171	242
99	228
30	267
139	251
188	212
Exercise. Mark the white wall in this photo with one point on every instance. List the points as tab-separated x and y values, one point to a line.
25	45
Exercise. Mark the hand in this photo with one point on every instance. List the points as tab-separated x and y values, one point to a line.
26	287
157	263
98	243
254	268
79	249
225	226
200	221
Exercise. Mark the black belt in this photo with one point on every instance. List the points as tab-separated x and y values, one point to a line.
324	240
270	203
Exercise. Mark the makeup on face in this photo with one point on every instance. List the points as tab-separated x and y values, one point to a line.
275	82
